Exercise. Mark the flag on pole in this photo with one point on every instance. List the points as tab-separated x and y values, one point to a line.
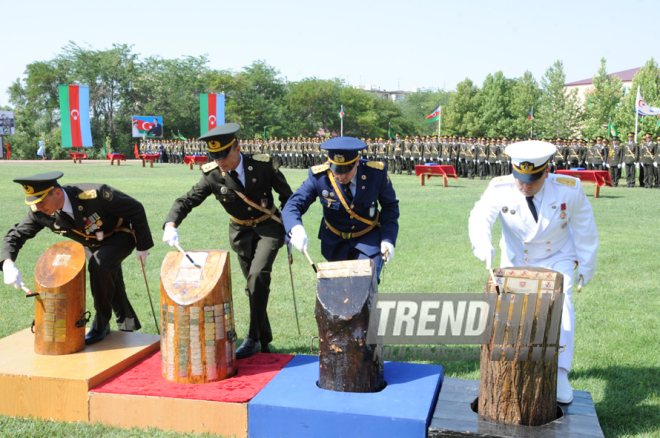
341	113
389	132
434	116
74	116
658	124
531	114
136	152
611	129
40	151
181	137
642	108
211	112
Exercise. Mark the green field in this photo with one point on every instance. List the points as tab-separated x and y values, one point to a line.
617	347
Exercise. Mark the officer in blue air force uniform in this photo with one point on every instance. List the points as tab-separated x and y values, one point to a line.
360	209
547	222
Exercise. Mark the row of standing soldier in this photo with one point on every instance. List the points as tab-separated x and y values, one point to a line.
481	157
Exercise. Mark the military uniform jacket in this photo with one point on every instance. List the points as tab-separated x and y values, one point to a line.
566	229
630	153
616	155
261	178
647	153
97	211
374	190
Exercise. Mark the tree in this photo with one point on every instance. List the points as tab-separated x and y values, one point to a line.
648	79
461	117
312	104
560	112
416	106
525	95
601	102
494	100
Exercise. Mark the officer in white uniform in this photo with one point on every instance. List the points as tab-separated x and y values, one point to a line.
547	222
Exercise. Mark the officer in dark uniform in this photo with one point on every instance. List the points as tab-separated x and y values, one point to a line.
243	184
107	222
351	191
631	159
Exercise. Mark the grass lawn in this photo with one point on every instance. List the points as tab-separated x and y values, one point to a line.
617	351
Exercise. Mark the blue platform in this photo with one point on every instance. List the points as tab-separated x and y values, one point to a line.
291	405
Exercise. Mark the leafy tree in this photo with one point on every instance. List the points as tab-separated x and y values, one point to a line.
312	104
494	100
648	79
560	112
416	106
525	94
601	102
462	117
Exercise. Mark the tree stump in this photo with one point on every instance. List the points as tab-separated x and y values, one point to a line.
59	278
344	292
518	381
198	340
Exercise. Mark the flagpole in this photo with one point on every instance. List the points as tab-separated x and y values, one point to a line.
342	121
636	115
531	130
439	122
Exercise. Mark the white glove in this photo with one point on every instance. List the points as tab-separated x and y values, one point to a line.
642	164
12	274
618	166
497	162
142	257
655	164
580	279
485	254
299	238
637	165
387	248
474	161
607	165
171	235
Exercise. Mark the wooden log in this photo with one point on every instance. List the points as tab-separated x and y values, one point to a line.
518	382
198	339
60	282
343	304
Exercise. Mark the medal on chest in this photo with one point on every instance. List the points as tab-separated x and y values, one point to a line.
563	211
92	223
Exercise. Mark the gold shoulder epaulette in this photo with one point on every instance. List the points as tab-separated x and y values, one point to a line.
261	157
507	179
89	194
320	168
567	181
209	167
376	164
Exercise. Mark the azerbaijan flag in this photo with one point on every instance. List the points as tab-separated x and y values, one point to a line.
74	116
211	112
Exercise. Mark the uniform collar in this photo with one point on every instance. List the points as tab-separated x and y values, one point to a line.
67	207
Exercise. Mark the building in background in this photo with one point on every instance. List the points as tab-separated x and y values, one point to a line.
394	96
585	85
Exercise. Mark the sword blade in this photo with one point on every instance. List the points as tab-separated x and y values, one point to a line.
293	289
153	312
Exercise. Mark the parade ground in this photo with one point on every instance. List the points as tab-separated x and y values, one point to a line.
617	325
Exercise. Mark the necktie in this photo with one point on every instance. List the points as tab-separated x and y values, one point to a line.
532	207
234	176
347	192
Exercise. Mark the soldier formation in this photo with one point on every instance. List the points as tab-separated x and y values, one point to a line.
481	157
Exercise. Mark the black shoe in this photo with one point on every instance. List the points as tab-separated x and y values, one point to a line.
94	336
248	348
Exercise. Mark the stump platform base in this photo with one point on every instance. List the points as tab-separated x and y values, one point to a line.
56	387
454	417
293	406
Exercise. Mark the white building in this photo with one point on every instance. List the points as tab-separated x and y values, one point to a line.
395	96
585	85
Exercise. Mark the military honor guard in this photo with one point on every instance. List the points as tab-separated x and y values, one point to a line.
616	157
647	158
547	222
243	184
360	209
631	159
106	222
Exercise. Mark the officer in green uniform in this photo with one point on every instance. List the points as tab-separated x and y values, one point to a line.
631	159
107	222
647	157
615	161
243	184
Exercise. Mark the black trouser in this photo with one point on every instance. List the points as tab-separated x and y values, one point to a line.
107	282
648	175
470	169
615	174
256	255
630	175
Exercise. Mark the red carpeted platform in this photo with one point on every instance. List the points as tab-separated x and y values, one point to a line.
144	378
140	397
